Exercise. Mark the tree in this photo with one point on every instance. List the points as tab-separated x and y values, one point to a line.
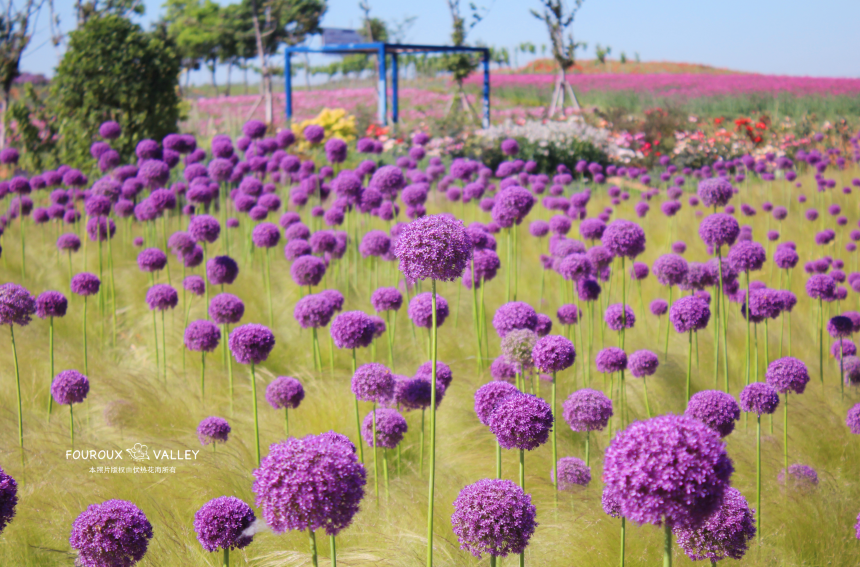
113	70
280	21
461	65
197	29
95	9
16	29
558	19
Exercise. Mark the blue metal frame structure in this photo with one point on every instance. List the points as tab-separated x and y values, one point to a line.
382	51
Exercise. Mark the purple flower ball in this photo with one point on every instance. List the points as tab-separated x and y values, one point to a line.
669	469
70	387
8	499
204	228
840	327
587	410
195	285
420	310
69	242
800	477
488	396
311	483
221	522
572	472
690	313
624	238
308	270
568	314
213	430
670	269
553	353
539	228
373	383
251	343
611	359
725	534
84	284
592	229
285	392
785	258
386	299
787	374
313	311
716	409
352	329
715	192
747	256
434	246
493	516
659	307
202	336
821	286
110	130
760	398
151	260
617	319
161	297
51	304
642	363
514	315
390	428
852	419
719	230
226	309
221	270
521	421
266	235
114	533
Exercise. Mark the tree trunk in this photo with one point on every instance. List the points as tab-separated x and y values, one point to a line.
245	77
266	80
229	70
3	110
212	68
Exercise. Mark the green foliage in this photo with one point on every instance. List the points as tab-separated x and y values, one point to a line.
35	133
112	70
198	30
547	155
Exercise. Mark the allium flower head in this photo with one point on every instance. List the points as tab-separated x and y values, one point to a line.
572	472
624	238
202	336
352	329
17	306
517	348
852	419
669	469
161	297
514	315
390	428
670	269
568	314
70	387
266	235
315	482
716	409
642	363
512	205
221	270
690	313
587	410
800	477
611	359
195	285
285	392
51	304
420	310
435	247
221	521
313	311
747	256
493	516
84	284
114	533
659	307
715	192
501	369
151	260
821	286
204	228
521	421
840	327
251	343
617	318
226	308
726	534
760	398
373	382
308	270
488	396
8	499
213	430
553	353
386	299
787	374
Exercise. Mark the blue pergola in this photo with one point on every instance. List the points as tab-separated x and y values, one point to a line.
382	50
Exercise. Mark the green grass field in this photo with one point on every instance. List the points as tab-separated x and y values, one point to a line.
800	529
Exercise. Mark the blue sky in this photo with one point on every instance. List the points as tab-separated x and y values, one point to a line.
766	36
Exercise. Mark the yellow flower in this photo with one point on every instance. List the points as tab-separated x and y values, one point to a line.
336	123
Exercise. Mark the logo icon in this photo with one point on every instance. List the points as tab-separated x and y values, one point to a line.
139	452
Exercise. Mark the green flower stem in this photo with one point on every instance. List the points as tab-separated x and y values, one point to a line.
390	333
313	542
623	539
86	361
421	446
163	348
508	269
51	377
202	374
385	471
375	460
498	460
113	289
155	340
357	418
785	436
287	421
820	342
689	362
333	546
554	447
758	476
432	481
226	557
21	230
667	544
229	361
749	345
269	287
666	355
587	448
256	419
72	425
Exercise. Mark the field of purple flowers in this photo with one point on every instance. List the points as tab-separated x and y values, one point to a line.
225	353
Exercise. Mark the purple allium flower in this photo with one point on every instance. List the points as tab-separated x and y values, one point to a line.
221	270
521	421
488	396
8	499
161	297
308	270
821	286
265	235
610	503
226	308
110	130
313	311
852	419
512	205
514	315
70	387
760	398
616	319
69	242
624	238
434	246
220	523
538	228
373	383
375	243
642	363
204	228
592	229
544	325
84	284
17	306
716	409
285	392
311	483
690	313
587	410
611	359
851	364
576	267
725	534
785	257
801	477
390	427
493	516
659	307
195	285
747	256
213	430
202	336
352	329
251	343
670	469
386	299
787	374
517	347
840	327
510	147
670	269
568	314
715	192
444	376
639	271
553	353
420	310
151	260
51	304
114	533
572	472
296	248
314	133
